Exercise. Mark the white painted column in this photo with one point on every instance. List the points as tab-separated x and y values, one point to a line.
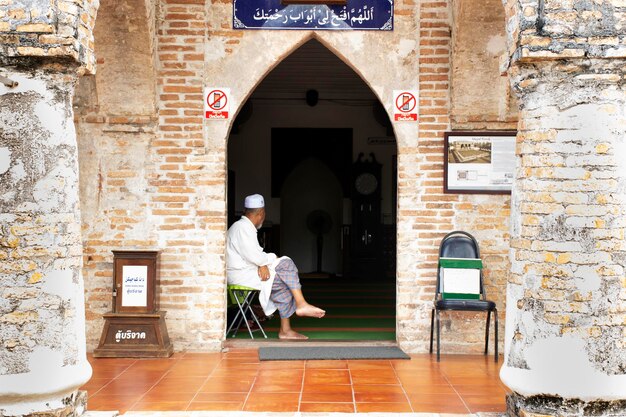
565	343
42	330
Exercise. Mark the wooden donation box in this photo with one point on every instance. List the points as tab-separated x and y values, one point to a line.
135	327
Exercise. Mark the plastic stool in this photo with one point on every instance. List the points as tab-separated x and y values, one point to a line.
243	297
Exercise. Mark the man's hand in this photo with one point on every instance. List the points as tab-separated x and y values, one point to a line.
264	273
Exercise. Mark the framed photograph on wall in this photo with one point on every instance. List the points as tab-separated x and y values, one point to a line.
479	162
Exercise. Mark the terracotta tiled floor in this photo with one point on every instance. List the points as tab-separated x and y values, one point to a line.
236	380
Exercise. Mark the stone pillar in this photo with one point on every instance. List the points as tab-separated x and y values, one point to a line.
42	317
565	342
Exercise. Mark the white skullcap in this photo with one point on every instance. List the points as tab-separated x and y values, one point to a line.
254	201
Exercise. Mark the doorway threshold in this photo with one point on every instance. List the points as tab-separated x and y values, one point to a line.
256	343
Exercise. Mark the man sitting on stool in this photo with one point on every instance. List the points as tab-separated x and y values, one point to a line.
276	278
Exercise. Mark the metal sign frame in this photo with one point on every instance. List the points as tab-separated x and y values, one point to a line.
273	14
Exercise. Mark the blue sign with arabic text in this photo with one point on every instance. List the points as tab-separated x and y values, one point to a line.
272	14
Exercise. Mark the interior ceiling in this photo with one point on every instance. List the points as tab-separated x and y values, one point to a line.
313	66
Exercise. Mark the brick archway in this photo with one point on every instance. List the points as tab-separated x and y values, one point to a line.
356	51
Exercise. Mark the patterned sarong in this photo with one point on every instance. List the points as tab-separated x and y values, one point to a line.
286	279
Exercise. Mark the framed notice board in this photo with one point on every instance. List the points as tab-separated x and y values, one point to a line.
479	162
134	281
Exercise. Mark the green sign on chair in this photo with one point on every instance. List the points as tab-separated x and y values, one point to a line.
460	278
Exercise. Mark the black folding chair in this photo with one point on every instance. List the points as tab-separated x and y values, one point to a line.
459	249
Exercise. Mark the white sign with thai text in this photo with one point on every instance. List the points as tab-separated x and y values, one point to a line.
134	286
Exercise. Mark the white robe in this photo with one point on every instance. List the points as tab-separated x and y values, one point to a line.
244	256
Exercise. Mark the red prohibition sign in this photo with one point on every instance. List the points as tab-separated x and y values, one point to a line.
405	102
218	95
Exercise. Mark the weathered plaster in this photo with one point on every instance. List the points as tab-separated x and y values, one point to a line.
5	160
33	107
566	371
480	98
123	29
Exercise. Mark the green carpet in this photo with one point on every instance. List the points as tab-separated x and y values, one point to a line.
325	335
354	311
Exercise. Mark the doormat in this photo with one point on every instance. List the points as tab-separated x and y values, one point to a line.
330	352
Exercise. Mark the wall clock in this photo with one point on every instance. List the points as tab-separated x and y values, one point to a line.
366	183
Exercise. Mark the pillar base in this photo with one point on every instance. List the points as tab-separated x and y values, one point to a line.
74	405
553	406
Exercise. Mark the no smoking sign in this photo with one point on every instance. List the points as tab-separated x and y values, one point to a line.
405	105
216	103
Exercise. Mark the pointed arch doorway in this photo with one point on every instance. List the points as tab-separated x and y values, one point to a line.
296	141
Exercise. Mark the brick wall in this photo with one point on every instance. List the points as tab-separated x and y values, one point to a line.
187	187
62	29
560	29
434	214
160	182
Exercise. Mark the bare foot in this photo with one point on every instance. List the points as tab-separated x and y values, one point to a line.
291	335
307	310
